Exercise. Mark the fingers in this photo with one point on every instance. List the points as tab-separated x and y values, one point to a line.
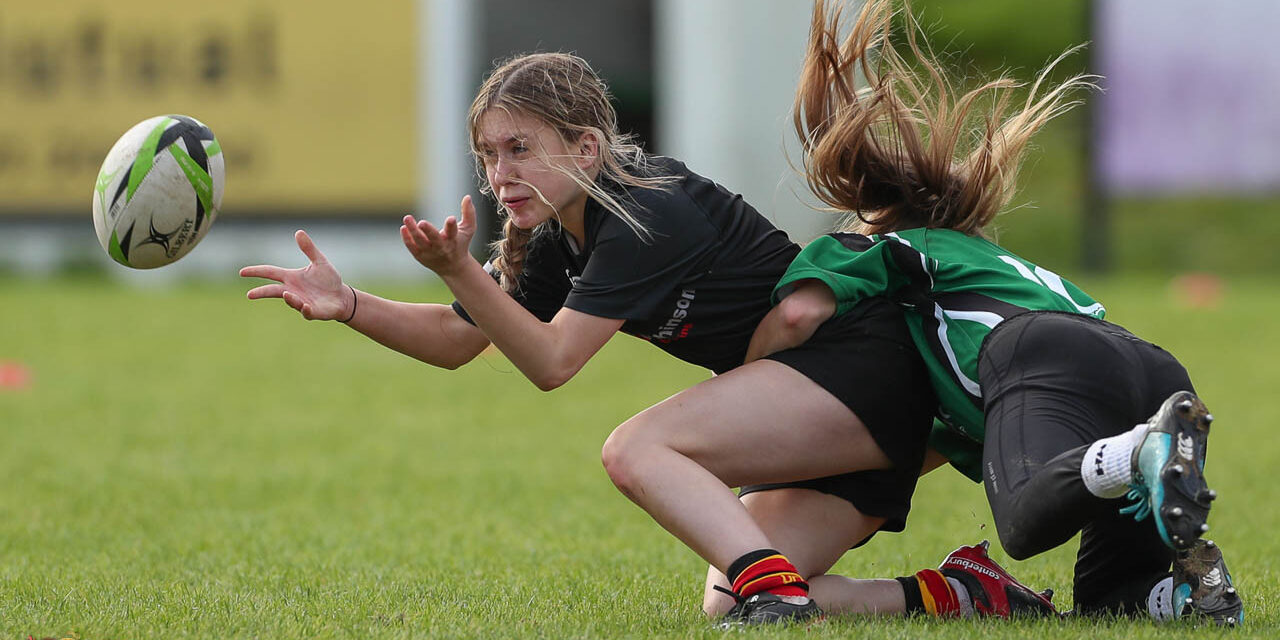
270	272
266	291
294	300
413	237
450	228
407	238
468	213
422	233
308	247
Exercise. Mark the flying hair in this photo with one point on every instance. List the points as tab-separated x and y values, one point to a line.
894	142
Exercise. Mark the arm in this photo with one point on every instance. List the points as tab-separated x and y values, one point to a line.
548	353
793	320
432	333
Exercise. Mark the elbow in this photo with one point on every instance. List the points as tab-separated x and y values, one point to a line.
553	379
450	364
547	383
800	316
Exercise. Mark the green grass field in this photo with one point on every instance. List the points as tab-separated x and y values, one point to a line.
185	463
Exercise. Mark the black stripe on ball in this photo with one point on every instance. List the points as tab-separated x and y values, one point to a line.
202	132
191	133
124	184
126	242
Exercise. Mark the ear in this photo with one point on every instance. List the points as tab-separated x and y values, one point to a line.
588	150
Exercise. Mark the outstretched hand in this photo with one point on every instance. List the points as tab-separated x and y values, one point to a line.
316	290
441	250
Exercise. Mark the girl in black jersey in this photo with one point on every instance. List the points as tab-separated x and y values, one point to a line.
1031	382
600	238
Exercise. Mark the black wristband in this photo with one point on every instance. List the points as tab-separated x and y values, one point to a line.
355	301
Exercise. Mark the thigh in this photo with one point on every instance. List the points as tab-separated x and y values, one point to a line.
1052	382
880	493
867	359
762	422
813	529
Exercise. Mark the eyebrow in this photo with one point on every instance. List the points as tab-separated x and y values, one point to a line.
514	139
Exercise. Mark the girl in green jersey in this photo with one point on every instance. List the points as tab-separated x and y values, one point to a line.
1039	396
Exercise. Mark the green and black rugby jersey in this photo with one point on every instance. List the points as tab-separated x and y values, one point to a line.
956	289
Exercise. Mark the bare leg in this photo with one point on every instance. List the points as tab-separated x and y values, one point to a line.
814	530
762	422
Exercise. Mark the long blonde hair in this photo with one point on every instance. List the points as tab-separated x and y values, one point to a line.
563	91
906	149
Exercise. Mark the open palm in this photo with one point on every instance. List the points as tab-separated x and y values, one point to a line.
316	290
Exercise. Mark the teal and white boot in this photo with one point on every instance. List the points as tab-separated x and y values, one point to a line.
1168	471
1202	586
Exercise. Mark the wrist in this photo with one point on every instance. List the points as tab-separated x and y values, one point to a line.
355	300
460	271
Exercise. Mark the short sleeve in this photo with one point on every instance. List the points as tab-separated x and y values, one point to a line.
627	275
855	267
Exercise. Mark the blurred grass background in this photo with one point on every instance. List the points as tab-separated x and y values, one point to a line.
184	463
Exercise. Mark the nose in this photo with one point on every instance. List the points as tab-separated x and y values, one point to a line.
503	171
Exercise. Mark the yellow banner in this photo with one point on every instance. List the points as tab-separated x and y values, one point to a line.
312	101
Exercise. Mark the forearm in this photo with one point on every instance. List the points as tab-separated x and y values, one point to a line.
793	321
541	350
432	333
774	334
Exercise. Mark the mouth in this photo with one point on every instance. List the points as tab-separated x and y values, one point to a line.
515	203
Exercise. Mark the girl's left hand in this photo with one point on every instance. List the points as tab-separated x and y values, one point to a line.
441	250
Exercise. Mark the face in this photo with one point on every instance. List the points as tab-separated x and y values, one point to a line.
524	161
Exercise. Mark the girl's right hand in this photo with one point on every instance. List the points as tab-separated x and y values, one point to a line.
316	290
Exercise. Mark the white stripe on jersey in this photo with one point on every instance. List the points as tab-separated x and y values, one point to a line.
969	385
1053	282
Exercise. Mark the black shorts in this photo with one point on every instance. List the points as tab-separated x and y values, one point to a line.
866	358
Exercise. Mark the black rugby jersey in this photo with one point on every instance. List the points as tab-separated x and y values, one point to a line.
696	287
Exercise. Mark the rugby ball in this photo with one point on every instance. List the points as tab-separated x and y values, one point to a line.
158	191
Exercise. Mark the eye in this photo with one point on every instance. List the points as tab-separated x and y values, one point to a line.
519	148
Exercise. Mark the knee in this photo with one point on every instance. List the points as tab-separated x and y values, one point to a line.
621	456
1016	544
1019	541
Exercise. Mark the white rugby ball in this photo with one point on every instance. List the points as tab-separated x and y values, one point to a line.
158	191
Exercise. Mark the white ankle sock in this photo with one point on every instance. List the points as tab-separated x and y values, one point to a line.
962	594
1107	467
1160	600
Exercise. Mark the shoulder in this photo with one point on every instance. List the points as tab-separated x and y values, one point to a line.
669	176
664	205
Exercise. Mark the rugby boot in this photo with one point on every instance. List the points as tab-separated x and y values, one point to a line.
1168	472
994	592
1202	586
767	608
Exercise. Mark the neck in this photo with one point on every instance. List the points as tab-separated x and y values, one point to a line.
573	218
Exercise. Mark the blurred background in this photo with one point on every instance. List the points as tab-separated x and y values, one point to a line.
340	120
177	462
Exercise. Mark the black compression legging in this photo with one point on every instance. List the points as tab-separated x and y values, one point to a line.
1052	384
